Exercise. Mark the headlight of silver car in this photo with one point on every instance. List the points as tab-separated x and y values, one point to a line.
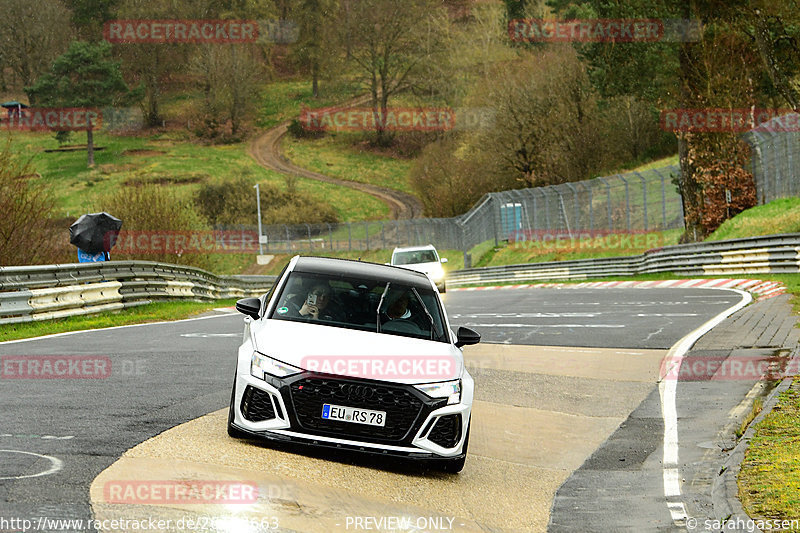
445	389
260	364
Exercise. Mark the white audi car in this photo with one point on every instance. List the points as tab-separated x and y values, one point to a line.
423	259
354	355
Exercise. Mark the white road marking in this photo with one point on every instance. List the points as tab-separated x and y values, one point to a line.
667	389
55	465
666	314
533	326
526	315
67	333
209	335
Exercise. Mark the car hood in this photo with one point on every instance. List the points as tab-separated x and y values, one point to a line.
354	353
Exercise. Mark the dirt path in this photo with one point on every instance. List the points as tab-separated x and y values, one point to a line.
266	150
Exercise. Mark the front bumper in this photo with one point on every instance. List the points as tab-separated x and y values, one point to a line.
289	410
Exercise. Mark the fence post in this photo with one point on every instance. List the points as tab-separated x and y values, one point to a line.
383	236
627	200
310	244
330	236
575	221
608	204
663	200
546	209
588	187
366	237
288	240
349	237
644	197
494	222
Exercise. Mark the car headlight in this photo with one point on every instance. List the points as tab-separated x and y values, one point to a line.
260	364
437	274
446	389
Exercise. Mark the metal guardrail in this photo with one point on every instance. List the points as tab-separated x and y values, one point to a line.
773	254
41	292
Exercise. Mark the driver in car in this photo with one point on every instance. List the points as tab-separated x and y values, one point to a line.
398	308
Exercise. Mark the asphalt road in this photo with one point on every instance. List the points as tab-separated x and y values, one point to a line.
602	318
163	375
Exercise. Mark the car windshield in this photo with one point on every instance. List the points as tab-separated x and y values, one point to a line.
382	306
413	257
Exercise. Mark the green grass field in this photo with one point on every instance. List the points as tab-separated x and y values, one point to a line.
176	160
340	156
778	216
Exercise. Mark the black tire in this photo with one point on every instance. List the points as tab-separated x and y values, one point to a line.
233	431
454	466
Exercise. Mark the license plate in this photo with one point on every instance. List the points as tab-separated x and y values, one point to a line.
353	415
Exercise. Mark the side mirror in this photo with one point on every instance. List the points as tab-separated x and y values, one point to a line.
466	337
250	307
444	260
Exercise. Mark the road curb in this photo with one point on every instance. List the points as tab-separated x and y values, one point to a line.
760	288
725	491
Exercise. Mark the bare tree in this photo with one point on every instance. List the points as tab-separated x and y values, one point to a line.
391	42
32	34
229	76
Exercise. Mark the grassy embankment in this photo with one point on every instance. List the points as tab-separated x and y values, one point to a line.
769	482
174	159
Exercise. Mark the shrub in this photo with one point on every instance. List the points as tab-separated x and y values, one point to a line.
152	208
234	202
28	232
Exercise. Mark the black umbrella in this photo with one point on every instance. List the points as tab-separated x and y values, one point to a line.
95	232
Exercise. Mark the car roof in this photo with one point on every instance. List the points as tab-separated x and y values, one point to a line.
361	269
415	248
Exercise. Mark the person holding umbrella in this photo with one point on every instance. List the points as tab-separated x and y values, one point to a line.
94	233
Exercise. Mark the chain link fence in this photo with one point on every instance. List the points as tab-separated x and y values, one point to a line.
776	157
623	203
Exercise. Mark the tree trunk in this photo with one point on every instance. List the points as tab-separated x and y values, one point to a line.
90	146
688	186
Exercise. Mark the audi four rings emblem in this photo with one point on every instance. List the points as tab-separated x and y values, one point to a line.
362	392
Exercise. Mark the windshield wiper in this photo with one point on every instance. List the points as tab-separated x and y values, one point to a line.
428	313
380	303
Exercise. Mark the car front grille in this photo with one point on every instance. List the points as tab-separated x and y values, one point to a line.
402	407
447	431
257	405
